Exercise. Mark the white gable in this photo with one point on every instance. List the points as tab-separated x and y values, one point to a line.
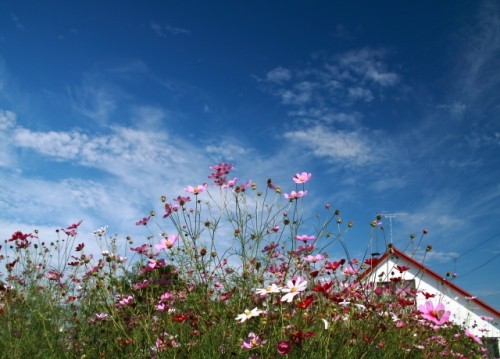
464	311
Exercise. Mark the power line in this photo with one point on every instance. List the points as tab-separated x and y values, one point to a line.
481	266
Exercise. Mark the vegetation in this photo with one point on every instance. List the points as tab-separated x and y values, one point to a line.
238	272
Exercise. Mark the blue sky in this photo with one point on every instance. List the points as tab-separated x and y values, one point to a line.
393	106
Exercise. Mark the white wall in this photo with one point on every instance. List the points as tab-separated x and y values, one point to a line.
464	311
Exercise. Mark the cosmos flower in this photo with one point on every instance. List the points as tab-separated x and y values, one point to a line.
247	314
436	314
293	287
302	177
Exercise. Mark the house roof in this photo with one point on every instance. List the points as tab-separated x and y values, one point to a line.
394	251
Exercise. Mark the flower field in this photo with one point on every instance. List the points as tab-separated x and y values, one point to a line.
239	270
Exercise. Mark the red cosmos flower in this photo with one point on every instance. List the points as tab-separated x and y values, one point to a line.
322	288
75	225
428	295
402	269
334	265
372	261
180	318
143	221
314	274
405	301
169	209
80	247
70	232
283	347
225	296
306	302
297	337
20	236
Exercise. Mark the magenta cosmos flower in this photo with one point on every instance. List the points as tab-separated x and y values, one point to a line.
283	347
302	177
436	314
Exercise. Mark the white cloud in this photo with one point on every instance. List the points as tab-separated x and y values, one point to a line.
341	81
359	93
96	99
279	75
163	30
367	63
456	109
17	23
346	148
435	256
227	151
7	120
388	184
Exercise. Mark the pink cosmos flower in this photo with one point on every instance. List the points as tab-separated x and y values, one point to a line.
182	200
230	183
302	177
125	300
471	335
435	314
141	285
196	189
350	271
304	238
167	242
313	259
294	195
53	275
252	341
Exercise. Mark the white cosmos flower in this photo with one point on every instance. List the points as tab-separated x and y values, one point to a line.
273	288
247	314
293	288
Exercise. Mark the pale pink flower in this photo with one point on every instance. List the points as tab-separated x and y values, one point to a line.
305	238
471	335
230	183
350	271
125	300
302	177
252	341
295	195
313	259
436	314
196	189
167	242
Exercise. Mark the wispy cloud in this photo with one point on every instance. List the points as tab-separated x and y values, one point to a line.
163	30
279	75
338	82
17	22
345	148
